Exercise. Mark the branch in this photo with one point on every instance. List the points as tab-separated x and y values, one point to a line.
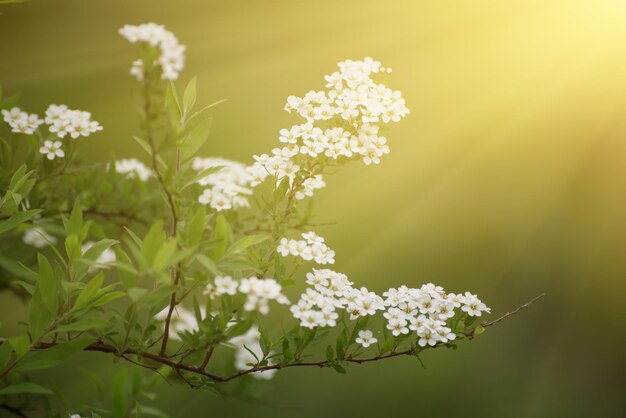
200	370
13	410
506	315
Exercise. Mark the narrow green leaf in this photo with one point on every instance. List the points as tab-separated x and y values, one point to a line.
5	355
196	227
153	241
89	292
74	225
244	243
221	235
207	263
52	356
195	139
84	324
47	285
17	219
26	387
20	344
189	96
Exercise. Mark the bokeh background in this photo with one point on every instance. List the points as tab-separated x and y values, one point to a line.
508	178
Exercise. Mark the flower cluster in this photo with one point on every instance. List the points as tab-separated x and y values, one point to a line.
341	123
172	54
20	121
311	248
133	168
182	320
60	120
65	121
258	292
229	187
37	237
330	291
247	344
426	310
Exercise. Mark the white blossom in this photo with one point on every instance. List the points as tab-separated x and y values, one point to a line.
21	122
229	187
172	54
133	168
182	320
52	149
473	306
366	338
244	359
63	121
311	248
38	238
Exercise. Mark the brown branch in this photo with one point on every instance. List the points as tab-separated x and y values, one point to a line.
13	410
506	315
200	370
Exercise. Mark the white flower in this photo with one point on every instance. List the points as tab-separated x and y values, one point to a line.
38	238
311	248
21	122
228	188
172	53
132	168
473	306
182	320
244	359
63	121
366	338
52	149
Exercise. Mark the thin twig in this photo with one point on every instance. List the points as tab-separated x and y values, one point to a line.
506	315
178	367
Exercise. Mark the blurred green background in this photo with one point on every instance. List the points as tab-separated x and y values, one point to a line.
508	179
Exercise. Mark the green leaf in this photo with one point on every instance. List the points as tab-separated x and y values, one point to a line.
17	219
5	355
20	344
52	356
341	345
478	330
265	342
207	107
174	109
196	227
221	235
339	368
207	263
47	285
280	192
164	255
84	324
26	387
74	225
244	243
152	411
89	292
330	354
128	276
189	96
148	149
39	317
16	269
195	139
153	241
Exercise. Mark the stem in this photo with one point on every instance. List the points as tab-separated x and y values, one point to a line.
200	370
